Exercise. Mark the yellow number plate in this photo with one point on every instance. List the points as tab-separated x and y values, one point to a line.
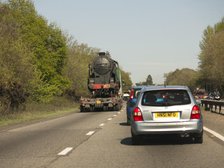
166	115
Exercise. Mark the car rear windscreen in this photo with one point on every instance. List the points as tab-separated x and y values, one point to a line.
165	98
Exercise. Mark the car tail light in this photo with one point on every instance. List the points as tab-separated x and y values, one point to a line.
137	115
195	113
132	94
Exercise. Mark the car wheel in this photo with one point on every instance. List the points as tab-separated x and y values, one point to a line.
199	138
135	139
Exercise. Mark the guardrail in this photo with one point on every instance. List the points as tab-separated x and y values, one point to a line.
213	105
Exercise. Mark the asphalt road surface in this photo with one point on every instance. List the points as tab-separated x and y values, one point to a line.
102	139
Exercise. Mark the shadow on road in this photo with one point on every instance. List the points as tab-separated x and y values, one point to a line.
124	124
97	111
159	140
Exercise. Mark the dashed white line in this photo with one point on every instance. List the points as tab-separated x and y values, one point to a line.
115	115
101	125
65	151
109	119
214	133
90	133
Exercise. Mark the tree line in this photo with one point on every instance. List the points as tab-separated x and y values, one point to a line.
38	61
210	72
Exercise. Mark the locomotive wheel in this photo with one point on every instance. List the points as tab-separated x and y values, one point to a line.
105	108
82	109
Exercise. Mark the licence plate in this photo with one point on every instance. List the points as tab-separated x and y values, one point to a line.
166	115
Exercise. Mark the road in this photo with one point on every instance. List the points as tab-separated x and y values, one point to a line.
102	139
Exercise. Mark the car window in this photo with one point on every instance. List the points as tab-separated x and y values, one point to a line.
165	98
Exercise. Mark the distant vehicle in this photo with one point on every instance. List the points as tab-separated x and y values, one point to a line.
104	84
166	110
200	94
131	101
126	96
214	95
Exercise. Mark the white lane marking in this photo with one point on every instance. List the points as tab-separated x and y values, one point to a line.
114	115
90	133
109	119
65	151
214	133
101	125
118	112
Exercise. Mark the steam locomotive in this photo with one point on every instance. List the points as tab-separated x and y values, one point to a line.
104	84
104	76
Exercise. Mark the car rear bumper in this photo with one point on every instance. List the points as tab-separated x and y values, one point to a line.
147	128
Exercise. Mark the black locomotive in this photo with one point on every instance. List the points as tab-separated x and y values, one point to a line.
104	76
104	83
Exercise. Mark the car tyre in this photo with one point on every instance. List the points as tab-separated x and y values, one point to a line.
135	139
199	138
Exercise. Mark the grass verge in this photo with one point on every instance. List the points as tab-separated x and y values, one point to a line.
36	111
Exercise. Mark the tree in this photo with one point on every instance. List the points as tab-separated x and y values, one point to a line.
184	76
148	81
48	45
211	57
17	72
126	79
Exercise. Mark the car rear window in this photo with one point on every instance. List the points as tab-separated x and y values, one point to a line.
165	98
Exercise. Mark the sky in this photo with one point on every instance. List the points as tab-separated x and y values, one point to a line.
146	37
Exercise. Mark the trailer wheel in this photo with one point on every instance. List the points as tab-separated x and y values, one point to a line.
117	107
91	109
105	108
82	109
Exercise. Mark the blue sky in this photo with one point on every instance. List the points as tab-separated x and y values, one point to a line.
145	36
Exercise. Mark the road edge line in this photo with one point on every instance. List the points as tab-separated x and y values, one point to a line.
90	133
219	136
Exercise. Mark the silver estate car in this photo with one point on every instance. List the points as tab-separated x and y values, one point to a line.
166	110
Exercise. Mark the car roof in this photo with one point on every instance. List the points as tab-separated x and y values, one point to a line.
138	87
163	87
